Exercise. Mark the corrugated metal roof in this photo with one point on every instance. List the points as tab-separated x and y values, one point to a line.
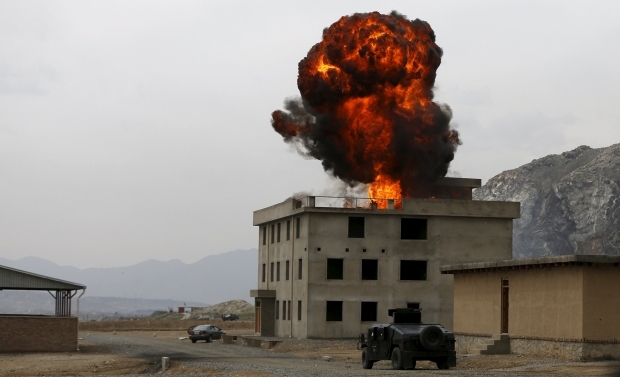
14	279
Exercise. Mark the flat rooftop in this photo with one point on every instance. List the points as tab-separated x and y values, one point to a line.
543	262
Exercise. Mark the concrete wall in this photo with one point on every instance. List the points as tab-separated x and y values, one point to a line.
601	302
450	240
293	289
38	333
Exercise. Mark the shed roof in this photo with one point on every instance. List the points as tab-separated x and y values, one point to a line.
512	264
14	279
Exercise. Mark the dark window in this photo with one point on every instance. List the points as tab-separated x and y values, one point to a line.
334	311
289	311
298	227
264	235
264	266
273	232
299	270
356	227
288	230
370	269
335	268
287	267
277	309
283	309
413	229
299	310
278	271
412	270
278	232
369	311
271	272
413	305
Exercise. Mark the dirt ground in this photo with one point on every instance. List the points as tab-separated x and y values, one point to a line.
132	352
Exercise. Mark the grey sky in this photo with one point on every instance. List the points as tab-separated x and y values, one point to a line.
138	130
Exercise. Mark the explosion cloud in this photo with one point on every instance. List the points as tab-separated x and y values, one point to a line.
366	108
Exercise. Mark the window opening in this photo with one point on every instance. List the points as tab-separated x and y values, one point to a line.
287	267
413	229
356	227
299	310
370	269
335	268
288	230
278	271
299	268
264	267
278	232
369	311
412	270
334	311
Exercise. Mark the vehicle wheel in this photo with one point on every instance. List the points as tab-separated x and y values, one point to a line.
366	362
209	339
443	364
431	338
193	340
397	359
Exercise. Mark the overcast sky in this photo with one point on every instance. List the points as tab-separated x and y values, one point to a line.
139	130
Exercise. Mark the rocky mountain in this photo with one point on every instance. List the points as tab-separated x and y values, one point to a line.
570	203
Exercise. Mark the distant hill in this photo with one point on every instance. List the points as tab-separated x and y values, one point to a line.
213	279
570	203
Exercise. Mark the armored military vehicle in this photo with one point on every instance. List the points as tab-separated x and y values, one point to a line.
407	340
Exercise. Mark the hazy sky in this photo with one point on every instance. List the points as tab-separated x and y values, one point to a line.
138	130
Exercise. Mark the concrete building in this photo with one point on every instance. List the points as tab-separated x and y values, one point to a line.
39	333
563	306
329	267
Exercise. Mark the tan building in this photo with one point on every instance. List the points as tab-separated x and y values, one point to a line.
564	306
330	267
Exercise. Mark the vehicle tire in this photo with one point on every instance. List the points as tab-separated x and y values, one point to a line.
443	363
209	339
366	362
397	359
193	340
431	338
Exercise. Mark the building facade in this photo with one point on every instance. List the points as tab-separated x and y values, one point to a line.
563	306
330	267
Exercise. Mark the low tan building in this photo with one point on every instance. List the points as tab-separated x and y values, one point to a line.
330	267
564	306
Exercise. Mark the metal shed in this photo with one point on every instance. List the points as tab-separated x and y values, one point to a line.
54	333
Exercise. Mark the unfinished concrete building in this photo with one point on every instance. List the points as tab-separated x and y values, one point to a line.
328	267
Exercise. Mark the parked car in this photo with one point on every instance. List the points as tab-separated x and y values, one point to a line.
205	332
230	317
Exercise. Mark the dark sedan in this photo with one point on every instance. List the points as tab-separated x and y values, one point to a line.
206	333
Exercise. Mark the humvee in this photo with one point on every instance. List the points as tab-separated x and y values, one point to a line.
407	340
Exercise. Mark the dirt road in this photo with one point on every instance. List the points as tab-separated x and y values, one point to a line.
133	353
